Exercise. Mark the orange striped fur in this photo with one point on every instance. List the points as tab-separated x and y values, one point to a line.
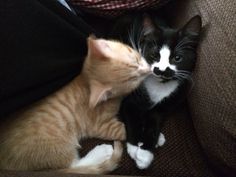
46	135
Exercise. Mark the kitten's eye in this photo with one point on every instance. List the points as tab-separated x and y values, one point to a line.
178	58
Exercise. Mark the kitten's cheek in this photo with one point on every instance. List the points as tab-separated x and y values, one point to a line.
144	66
145	69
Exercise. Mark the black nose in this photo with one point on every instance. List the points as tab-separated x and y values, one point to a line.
166	73
157	71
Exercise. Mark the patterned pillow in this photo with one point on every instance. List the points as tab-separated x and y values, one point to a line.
114	8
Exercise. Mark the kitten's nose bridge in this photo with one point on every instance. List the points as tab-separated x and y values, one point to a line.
162	67
144	66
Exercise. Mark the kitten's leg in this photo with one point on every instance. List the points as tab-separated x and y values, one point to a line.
151	136
96	156
102	159
111	129
141	152
142	158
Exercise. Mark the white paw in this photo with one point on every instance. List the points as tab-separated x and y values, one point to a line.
132	150
97	155
161	140
101	153
142	158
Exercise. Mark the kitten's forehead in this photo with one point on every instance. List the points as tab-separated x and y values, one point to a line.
165	52
169	38
124	52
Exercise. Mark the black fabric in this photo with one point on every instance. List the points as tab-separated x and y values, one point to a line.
42	46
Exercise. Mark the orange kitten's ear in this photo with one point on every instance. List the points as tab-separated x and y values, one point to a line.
98	48
98	93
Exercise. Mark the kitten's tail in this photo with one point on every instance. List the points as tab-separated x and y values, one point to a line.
105	167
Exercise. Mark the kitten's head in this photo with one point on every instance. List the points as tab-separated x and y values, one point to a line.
113	69
170	52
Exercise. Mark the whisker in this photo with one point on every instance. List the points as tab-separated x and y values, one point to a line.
187	77
130	34
179	78
139	37
183	71
183	75
144	50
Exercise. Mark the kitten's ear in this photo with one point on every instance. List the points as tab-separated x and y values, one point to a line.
98	93
148	26
97	48
193	26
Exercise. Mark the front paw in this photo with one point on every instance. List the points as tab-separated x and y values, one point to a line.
132	150
161	140
100	153
142	158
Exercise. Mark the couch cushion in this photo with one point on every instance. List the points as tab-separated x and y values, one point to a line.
213	98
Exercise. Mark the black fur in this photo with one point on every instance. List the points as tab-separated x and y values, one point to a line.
143	118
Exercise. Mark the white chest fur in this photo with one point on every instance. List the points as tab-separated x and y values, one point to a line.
157	90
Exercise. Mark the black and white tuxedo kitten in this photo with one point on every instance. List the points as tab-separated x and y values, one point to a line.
172	56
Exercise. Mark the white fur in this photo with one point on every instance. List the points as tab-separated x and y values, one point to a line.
142	158
132	150
164	60
161	140
157	90
97	155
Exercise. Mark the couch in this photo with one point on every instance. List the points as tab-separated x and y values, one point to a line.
201	133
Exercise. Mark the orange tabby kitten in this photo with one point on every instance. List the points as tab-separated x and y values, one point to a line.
46	135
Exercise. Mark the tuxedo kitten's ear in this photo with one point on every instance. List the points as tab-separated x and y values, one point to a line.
193	26
98	48
148	26
98	93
